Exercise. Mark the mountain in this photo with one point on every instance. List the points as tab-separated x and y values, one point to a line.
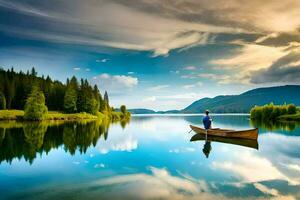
141	111
244	102
241	103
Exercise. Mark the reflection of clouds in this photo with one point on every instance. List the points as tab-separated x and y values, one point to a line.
274	161
182	150
160	128
123	142
250	167
100	165
283	152
159	184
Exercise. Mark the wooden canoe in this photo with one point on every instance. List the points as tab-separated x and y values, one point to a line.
251	134
235	141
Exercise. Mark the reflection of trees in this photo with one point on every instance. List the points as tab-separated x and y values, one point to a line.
2	135
274	125
37	137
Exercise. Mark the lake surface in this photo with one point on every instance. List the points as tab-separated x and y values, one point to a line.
151	157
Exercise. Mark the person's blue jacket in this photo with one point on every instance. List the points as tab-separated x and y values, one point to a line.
207	122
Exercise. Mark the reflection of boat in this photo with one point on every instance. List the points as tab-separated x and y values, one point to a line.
237	141
246	134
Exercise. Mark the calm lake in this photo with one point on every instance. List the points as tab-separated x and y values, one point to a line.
151	157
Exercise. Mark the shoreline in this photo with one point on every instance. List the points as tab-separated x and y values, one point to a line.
17	115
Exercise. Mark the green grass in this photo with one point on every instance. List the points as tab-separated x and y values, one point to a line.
293	117
63	116
54	115
11	114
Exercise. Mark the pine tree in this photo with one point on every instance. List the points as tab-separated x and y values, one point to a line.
35	108
70	100
106	98
2	101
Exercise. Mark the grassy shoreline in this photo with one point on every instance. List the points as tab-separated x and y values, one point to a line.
54	115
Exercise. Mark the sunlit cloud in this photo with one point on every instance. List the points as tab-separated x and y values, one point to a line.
115	83
190	68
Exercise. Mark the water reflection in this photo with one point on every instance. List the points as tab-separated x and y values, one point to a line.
27	139
275	125
152	158
210	139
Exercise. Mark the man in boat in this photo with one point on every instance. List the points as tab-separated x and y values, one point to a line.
207	120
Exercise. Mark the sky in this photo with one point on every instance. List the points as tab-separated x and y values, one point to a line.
155	54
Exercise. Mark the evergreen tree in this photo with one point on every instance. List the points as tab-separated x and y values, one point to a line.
2	101
70	100
106	98
35	108
97	97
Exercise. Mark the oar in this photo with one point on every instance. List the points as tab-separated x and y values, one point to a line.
190	131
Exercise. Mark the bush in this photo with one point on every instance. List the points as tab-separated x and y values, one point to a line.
123	109
291	109
35	108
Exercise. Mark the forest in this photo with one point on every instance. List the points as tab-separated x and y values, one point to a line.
28	91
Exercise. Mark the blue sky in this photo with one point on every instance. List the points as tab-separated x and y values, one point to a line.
155	54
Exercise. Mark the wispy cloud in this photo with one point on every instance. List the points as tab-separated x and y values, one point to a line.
76	68
93	25
104	60
158	87
190	68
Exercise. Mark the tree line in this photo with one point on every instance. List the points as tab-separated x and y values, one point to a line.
19	90
271	112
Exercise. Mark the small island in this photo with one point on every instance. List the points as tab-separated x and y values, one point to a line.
271	112
26	96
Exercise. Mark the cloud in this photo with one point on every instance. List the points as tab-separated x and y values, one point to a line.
251	57
190	68
115	83
254	63
285	70
265	189
158	88
76	68
87	69
130	73
149	99
104	60
189	86
220	78
92	23
271	16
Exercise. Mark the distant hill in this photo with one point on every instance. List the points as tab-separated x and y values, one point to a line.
238	103
141	111
244	102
